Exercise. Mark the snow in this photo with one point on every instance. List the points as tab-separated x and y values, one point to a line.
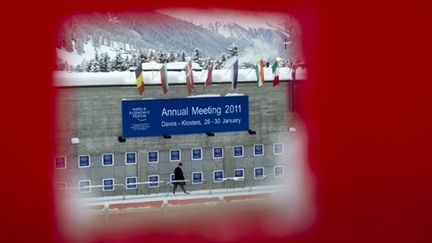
163	196
62	78
204	95
234	94
170	66
74	58
245	19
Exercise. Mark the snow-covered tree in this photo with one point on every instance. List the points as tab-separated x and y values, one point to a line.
104	62
233	50
162	57
94	64
116	64
171	57
182	57
152	56
207	62
134	60
143	57
126	64
197	54
218	64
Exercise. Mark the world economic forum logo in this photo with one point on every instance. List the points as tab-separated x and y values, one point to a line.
139	113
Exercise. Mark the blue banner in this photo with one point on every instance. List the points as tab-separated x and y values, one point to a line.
157	117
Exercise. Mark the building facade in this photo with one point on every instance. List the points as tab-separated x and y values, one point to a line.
102	164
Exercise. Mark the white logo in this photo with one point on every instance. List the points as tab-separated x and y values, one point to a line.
139	113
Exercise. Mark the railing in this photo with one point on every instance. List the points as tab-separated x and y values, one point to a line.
163	189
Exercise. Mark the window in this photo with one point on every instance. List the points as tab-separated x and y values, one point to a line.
239	173
196	154
238	151
107	159
278	171
258	150
172	176
197	177
83	161
278	148
131	182
175	155
218	176
60	163
84	186
153	157
259	173
218	153
154	181
108	184
130	158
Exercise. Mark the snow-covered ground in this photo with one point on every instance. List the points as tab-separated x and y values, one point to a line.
62	78
164	196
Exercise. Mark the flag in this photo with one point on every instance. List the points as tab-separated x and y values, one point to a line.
259	71
275	71
235	74
257	74
189	77
261	79
139	79
164	78
208	81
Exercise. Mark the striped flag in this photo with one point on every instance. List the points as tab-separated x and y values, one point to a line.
235	75
261	72
208	81
139	79
257	74
164	78
189	77
275	71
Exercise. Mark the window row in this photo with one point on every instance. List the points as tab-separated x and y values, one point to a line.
174	155
108	184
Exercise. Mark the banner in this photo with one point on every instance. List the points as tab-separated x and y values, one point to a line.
157	117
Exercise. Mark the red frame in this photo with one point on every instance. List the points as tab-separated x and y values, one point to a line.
364	105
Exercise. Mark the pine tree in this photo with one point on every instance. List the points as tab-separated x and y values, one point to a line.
233	51
104	62
117	62
196	55
126	64
133	60
204	62
218	64
143	57
182	57
94	64
152	56
171	57
162	57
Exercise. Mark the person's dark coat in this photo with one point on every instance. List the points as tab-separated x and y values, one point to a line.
178	175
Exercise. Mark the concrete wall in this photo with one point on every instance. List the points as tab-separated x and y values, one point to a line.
93	114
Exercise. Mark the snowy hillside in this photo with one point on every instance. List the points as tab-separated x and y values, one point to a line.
246	20
168	36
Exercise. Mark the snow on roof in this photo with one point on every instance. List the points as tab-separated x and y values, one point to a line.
204	95
170	66
62	78
234	94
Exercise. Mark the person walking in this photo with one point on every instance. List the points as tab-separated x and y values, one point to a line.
178	177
